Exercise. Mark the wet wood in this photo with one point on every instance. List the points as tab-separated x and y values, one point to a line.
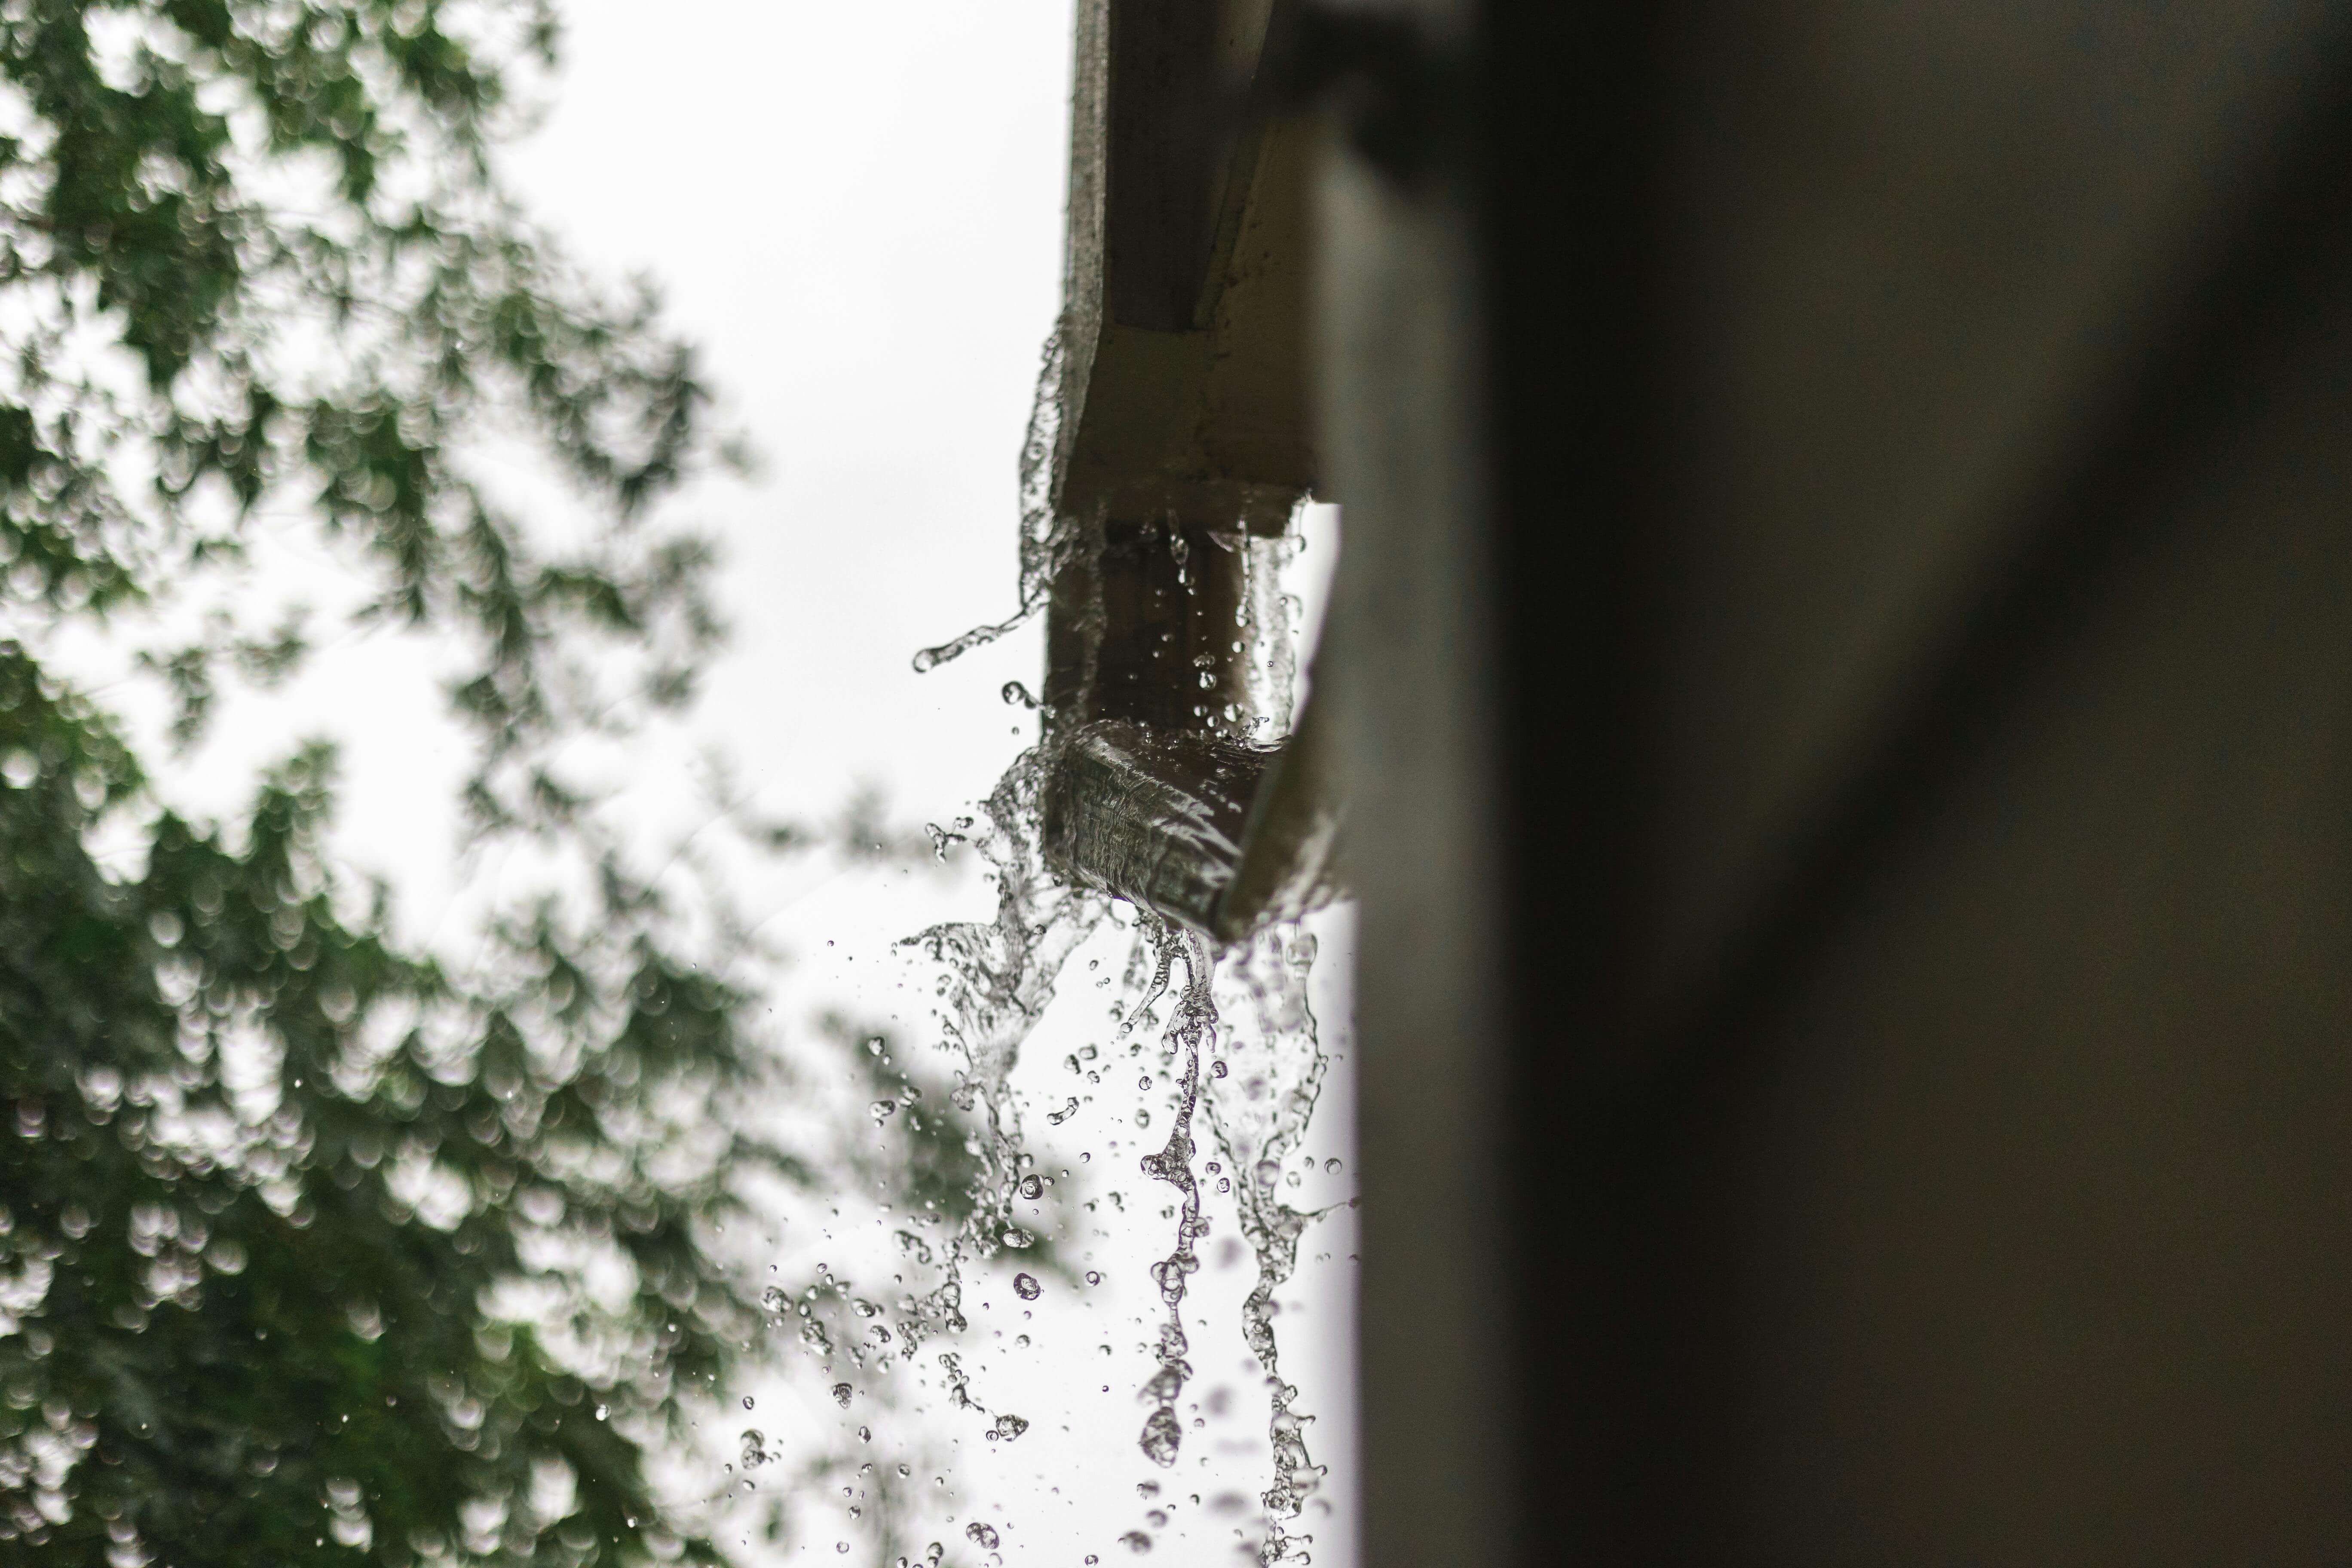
1185	430
1153	817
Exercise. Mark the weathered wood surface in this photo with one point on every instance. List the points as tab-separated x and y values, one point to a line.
1199	829
1184	431
1152	817
1184	293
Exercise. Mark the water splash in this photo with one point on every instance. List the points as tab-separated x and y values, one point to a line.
996	977
1259	1109
1191	1027
1257	1078
1047	540
1242	1046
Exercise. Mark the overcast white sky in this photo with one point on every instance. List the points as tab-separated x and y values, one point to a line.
857	209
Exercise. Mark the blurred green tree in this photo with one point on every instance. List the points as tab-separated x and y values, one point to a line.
310	1250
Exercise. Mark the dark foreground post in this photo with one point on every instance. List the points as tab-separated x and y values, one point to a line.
1843	675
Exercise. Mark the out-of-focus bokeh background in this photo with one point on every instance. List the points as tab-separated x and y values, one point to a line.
857	211
855	214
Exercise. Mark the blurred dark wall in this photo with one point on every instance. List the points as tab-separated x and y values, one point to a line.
1844	655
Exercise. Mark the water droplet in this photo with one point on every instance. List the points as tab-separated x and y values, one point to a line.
866	1434
1216	1069
1026	1287
881	1108
1135	1540
747	1401
1162	1436
982	1533
1032	1187
1068	1110
602	1411
1093	1277
1008	1427
1016	1236
841	1393
1330	1167
842	1546
753	1456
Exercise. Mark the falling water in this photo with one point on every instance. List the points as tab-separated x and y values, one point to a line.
1193	1025
1244	1046
996	978
1262	1098
1046	539
1238	1038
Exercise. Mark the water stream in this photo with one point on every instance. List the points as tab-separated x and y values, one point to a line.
1240	1044
1225	1040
